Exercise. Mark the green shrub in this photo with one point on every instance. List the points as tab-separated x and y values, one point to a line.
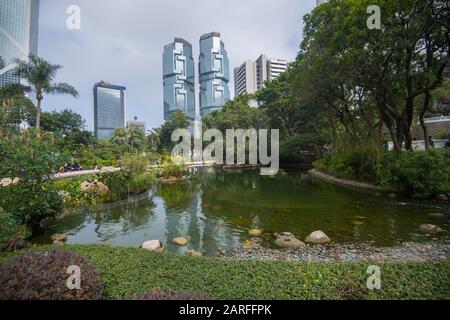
31	157
78	197
359	165
31	203
425	172
172	169
42	275
12	235
417	172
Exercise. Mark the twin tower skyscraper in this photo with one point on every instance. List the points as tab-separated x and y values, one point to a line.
179	76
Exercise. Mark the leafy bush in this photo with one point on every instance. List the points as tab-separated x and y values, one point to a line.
42	275
169	294
12	235
31	157
31	203
426	172
359	165
171	169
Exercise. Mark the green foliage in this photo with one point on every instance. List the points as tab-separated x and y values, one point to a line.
171	169
426	172
42	275
139	178
12	235
126	272
444	135
237	114
31	158
129	140
169	294
163	136
357	165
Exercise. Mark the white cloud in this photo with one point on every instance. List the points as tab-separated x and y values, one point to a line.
122	42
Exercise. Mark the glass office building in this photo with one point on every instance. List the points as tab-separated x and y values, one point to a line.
109	109
178	78
19	20
214	73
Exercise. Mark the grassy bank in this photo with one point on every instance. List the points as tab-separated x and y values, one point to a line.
126	272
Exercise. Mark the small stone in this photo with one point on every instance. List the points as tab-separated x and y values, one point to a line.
248	244
430	228
287	240
442	197
392	196
437	215
193	253
59	237
181	241
153	245
317	237
255	232
357	223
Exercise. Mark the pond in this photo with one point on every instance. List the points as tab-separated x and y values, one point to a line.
217	208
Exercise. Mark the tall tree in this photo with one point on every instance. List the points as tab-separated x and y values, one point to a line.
40	76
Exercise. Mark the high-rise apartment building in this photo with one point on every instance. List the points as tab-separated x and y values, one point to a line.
245	78
178	78
250	76
109	109
19	20
214	73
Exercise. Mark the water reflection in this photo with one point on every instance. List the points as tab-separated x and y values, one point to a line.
216	209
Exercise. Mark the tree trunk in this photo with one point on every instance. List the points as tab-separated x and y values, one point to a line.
38	113
426	104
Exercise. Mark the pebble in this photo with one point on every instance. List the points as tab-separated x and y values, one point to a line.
335	252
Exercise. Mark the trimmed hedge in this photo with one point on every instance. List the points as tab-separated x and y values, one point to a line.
128	272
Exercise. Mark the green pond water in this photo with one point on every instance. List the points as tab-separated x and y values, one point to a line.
217	208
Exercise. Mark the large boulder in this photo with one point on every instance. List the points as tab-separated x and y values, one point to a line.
6	182
287	240
255	232
317	237
153	245
95	187
180	241
430	228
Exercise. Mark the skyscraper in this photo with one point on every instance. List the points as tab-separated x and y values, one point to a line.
178	78
250	76
19	21
109	109
214	73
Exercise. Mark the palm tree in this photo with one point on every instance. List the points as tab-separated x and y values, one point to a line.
11	91
40	75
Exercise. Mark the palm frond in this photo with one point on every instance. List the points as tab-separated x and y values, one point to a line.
62	88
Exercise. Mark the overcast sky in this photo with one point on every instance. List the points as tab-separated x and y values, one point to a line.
121	41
